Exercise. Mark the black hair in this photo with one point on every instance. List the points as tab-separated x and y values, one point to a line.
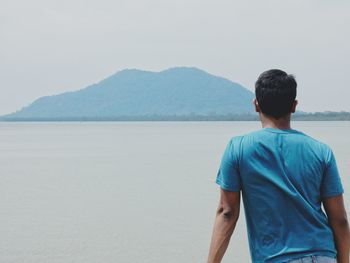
275	92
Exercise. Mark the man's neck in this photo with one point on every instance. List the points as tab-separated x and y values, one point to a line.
268	122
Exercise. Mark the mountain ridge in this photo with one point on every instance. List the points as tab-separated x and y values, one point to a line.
135	92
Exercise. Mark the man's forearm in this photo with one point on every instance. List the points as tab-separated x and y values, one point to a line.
224	226
342	240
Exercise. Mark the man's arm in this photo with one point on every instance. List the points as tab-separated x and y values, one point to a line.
337	218
226	217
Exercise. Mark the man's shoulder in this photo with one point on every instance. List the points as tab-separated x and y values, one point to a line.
297	135
312	141
247	134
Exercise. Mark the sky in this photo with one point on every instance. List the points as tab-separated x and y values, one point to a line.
48	47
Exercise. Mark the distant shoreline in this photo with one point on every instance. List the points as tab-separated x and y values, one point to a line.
316	116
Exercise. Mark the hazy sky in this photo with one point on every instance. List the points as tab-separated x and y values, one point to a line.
48	47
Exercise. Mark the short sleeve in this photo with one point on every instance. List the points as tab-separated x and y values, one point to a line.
228	177
331	182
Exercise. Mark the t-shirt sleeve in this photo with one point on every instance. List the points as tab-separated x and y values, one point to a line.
331	182
228	177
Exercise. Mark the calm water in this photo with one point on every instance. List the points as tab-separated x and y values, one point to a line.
140	192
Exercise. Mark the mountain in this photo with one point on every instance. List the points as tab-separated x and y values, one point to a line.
134	93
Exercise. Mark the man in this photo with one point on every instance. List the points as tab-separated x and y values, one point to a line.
285	176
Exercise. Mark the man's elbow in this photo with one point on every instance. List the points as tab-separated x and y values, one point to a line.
228	213
343	223
340	222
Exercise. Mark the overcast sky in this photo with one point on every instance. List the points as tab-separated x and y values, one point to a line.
49	47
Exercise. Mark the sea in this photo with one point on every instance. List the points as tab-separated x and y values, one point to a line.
124	192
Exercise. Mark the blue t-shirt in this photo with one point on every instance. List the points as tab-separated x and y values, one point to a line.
283	176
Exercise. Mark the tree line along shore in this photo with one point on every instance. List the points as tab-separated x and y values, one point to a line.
315	116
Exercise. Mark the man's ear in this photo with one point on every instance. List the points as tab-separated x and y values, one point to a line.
294	106
256	105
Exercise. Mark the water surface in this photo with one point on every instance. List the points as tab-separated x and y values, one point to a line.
140	192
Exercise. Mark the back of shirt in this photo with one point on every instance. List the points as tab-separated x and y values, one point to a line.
283	175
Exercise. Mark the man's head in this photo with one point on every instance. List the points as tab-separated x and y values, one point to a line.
275	93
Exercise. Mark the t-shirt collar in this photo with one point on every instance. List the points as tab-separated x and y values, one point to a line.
279	130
